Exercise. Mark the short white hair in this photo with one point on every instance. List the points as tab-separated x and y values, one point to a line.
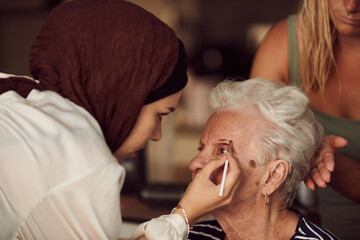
294	134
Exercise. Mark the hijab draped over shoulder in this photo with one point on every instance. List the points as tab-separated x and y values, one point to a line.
110	57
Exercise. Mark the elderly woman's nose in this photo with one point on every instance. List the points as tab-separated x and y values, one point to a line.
199	162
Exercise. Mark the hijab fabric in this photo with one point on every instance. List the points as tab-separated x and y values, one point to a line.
110	57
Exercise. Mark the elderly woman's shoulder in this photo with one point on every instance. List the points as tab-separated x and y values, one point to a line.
305	229
206	230
308	230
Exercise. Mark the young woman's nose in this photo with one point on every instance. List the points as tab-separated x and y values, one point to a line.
352	5
156	134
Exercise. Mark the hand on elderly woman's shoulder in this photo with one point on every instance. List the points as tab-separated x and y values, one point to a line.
324	161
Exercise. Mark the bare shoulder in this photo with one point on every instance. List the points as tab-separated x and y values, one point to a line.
271	59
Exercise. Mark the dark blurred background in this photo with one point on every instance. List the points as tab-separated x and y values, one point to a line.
217	34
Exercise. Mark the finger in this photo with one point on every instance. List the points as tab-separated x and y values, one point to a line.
325	174
337	141
328	160
211	166
232	178
315	175
309	183
323	171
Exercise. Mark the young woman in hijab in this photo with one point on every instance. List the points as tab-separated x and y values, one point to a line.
104	74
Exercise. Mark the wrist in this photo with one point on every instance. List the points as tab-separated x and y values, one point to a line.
192	210
181	211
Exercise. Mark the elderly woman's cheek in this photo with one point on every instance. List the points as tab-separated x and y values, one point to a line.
251	171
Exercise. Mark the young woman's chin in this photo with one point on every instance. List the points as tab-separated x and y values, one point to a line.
133	155
121	157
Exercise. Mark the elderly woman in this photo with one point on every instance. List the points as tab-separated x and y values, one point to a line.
263	135
274	135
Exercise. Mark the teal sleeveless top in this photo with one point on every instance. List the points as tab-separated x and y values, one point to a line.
338	213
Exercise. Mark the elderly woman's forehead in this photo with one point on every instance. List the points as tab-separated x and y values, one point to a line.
239	115
236	123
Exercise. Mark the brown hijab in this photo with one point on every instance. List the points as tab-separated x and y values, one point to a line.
110	57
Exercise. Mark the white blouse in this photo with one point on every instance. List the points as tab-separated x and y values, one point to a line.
58	178
165	227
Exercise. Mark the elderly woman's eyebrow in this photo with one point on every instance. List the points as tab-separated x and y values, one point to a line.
229	141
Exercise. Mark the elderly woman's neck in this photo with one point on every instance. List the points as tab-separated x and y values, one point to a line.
257	221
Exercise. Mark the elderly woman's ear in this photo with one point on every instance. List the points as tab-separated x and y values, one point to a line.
275	176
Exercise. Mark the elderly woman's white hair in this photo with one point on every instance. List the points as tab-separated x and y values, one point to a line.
295	133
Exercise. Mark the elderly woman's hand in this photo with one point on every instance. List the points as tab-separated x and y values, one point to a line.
324	162
202	195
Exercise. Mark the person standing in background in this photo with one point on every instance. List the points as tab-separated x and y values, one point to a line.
319	50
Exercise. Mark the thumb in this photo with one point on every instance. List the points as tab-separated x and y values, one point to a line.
337	141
